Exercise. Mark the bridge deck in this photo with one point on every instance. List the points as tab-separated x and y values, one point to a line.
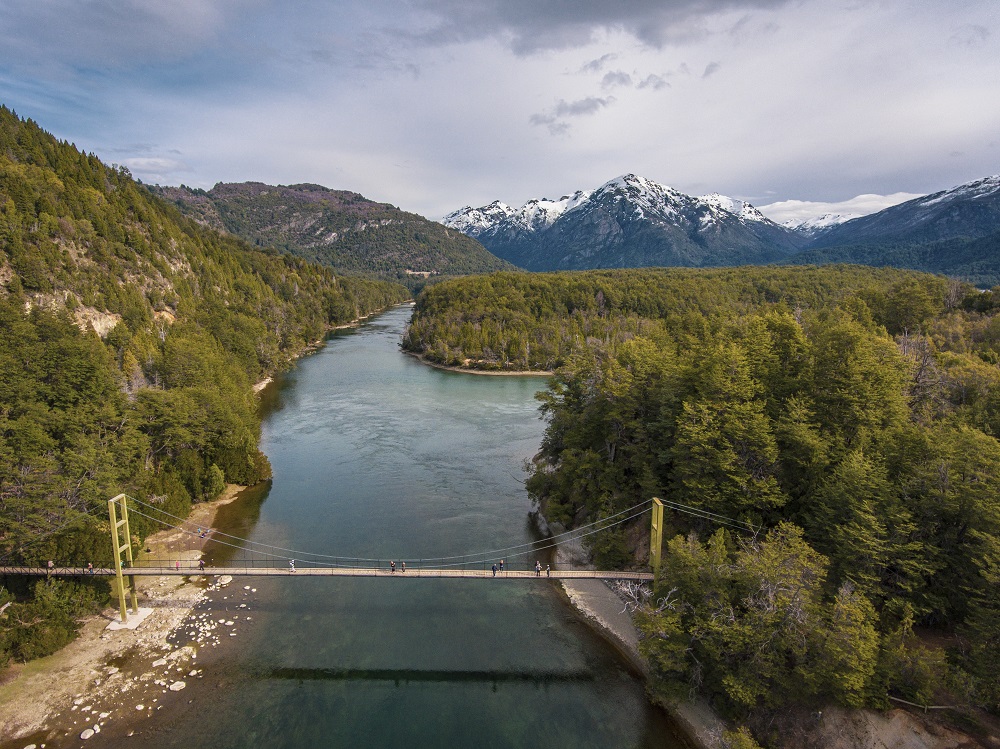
411	572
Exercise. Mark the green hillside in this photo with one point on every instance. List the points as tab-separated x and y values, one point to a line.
337	228
130	338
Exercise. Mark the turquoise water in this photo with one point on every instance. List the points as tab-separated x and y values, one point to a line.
376	455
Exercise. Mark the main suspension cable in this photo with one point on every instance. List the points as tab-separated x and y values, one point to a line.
300	554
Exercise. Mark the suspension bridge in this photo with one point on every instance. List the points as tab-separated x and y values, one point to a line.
266	560
409	573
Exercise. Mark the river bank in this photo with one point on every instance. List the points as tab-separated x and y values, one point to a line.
488	372
105	675
605	611
834	728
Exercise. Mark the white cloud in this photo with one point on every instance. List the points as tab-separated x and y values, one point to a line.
797	211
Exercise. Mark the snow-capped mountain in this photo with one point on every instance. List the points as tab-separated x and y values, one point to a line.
532	216
627	222
813	227
968	211
738	207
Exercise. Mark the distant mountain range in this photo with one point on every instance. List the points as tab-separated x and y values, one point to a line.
337	228
634	222
629	222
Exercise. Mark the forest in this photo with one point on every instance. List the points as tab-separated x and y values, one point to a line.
828	436
160	404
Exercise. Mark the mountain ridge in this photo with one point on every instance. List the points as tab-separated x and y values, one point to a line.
629	221
341	229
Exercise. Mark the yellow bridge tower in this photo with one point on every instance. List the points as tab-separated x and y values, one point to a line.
656	539
118	506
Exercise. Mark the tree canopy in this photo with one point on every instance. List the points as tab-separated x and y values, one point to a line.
848	414
130	338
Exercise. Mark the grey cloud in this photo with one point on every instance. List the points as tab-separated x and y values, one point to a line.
555	119
970	35
596	66
712	67
590	105
653	81
748	27
111	34
554	125
528	26
616	78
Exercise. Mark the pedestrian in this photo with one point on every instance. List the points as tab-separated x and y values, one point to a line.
548	571
403	565
392	566
501	565
177	565
51	566
538	568
201	565
494	570
90	568
291	565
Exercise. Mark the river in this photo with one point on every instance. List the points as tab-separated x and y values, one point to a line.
376	455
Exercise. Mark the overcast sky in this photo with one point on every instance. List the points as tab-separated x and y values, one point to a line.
435	104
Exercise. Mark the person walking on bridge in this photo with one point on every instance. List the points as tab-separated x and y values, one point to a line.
538	568
501	565
494	570
392	566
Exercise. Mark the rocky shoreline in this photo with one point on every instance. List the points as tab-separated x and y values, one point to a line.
106	676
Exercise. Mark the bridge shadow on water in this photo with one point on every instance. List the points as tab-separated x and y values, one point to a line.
404	676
